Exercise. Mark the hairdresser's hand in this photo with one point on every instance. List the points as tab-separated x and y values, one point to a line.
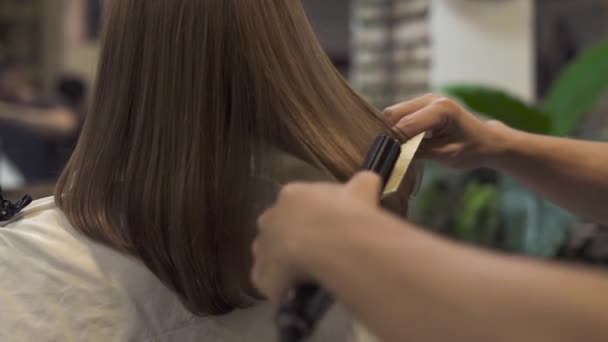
307	217
457	137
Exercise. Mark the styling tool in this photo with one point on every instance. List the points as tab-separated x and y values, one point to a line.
305	305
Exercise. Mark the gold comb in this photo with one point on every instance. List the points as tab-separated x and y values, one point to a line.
408	151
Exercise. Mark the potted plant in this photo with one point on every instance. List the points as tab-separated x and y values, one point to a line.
496	211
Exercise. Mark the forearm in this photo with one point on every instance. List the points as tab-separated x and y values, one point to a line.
407	285
572	173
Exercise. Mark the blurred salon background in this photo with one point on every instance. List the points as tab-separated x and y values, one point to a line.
537	65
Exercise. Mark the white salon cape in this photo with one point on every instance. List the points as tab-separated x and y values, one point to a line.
58	285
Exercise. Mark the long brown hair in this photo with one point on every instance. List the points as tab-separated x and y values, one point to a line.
187	92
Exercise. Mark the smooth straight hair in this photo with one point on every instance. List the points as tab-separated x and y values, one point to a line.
188	92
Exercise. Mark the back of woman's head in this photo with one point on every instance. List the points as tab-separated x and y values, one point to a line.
188	92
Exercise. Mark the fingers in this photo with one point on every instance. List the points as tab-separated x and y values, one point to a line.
395	113
264	221
433	117
366	187
264	274
270	283
267	283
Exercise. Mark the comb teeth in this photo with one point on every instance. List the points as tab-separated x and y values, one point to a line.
408	150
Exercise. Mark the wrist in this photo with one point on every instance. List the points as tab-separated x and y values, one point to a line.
503	142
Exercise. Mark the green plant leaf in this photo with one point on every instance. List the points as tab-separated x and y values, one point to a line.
577	90
478	200
489	224
434	206
499	105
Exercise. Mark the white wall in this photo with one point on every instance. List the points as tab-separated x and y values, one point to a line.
487	42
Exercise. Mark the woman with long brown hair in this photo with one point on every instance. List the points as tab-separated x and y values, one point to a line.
202	109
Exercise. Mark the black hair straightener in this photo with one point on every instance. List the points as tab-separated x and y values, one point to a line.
305	305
